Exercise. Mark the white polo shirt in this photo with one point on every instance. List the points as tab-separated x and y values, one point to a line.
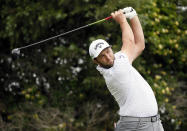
132	93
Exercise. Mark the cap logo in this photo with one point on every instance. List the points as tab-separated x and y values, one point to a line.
98	45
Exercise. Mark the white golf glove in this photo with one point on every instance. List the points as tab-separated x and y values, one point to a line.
129	12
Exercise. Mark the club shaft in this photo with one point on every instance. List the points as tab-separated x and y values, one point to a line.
65	33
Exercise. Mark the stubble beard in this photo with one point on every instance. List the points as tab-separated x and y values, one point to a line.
106	66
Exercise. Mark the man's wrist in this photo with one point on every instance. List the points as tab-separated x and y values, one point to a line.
123	25
123	22
133	18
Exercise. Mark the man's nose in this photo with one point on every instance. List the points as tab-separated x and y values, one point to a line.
107	57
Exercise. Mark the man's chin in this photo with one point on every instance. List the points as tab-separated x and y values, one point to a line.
107	66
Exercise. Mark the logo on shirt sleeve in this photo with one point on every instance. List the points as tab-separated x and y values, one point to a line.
121	56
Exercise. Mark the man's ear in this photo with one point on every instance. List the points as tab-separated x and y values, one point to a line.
95	61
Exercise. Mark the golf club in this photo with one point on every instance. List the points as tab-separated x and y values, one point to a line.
17	50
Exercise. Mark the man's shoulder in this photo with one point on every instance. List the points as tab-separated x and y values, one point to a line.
120	54
117	53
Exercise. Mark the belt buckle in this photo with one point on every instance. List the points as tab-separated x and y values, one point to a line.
153	119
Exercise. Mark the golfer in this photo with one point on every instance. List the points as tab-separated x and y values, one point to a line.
138	106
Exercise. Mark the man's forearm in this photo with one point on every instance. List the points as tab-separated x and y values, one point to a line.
138	32
127	34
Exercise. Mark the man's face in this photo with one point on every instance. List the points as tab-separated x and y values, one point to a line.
105	58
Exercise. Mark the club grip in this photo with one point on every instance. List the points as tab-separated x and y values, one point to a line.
107	18
125	10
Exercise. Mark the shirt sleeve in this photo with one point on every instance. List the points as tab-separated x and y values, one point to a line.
121	56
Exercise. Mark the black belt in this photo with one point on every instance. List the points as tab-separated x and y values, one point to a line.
147	119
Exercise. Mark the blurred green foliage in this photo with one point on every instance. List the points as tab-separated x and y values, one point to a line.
56	86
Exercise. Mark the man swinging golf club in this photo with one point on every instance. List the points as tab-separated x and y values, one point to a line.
137	102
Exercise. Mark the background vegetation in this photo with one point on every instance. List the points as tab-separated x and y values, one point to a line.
56	86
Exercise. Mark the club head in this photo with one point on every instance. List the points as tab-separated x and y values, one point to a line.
16	51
